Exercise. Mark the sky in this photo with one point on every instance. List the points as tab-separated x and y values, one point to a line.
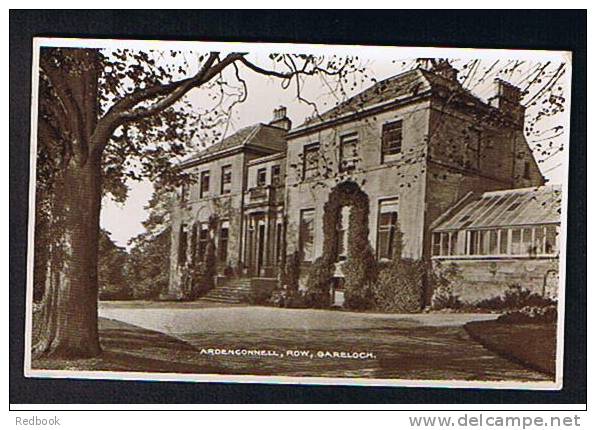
124	221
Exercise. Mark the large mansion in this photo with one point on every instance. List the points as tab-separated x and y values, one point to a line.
453	173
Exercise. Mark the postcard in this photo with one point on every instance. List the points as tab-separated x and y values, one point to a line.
293	213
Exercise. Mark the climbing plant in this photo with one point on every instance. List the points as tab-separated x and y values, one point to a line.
360	266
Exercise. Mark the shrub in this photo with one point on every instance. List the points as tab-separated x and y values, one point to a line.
360	276
515	297
531	314
318	284
286	298
443	280
400	286
259	296
290	276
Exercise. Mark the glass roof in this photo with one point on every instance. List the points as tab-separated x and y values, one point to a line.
523	206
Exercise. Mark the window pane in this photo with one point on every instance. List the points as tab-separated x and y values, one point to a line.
275	175
307	232
392	138
516	242
504	240
453	244
342	233
226	179
182	243
348	151
550	246
444	243
492	247
261	177
526	246
436	243
539	240
204	184
203	239
387	228
224	233
473	243
310	160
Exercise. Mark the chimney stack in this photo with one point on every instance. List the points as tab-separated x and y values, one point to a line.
280	118
507	99
445	69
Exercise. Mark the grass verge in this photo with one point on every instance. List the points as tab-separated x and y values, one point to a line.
532	345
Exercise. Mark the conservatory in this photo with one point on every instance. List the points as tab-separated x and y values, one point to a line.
500	238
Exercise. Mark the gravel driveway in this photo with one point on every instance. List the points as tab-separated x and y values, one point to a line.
420	346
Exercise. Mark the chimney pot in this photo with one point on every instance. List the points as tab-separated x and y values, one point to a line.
280	118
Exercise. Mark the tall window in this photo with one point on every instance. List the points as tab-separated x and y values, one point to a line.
392	138
224	235
307	234
386	229
184	193
204	184
310	160
226	179
348	151
342	233
275	175
472	149
278	241
527	170
261	177
182	244
203	240
193	243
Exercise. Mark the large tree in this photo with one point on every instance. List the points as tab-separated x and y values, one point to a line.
105	116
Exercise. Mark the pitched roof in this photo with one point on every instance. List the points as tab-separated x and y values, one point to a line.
259	135
523	206
402	86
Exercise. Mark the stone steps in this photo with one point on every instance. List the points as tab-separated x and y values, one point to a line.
231	291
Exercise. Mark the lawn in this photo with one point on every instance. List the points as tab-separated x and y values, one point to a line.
130	348
532	345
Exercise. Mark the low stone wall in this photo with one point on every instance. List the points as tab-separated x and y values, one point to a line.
486	278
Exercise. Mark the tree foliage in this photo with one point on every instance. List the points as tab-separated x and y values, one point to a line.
113	282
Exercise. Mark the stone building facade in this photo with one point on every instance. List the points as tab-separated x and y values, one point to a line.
416	144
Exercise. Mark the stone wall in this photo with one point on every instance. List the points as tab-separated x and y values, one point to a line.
487	278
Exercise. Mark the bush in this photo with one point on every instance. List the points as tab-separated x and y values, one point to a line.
259	296
290	276
360	276
286	298
318	283
443	280
400	286
515	297
531	314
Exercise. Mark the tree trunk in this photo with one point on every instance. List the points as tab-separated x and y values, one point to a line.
67	324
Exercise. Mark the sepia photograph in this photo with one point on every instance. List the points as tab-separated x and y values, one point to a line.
297	213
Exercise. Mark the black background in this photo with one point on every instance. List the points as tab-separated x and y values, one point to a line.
556	30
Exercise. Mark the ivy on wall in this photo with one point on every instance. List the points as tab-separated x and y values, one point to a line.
360	267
